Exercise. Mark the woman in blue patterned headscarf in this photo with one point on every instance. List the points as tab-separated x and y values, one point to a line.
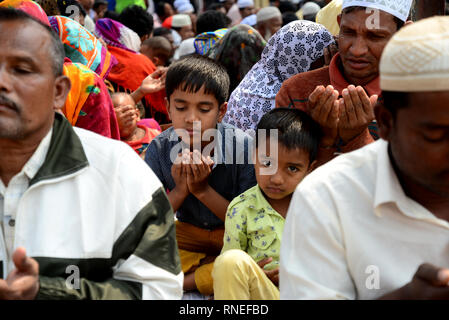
291	50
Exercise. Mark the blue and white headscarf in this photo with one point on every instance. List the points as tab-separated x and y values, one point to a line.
290	51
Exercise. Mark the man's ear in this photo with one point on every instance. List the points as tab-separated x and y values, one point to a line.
339	19
222	111
385	120
62	89
157	61
312	166
167	107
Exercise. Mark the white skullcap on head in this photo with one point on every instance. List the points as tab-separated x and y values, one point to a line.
417	58
250	20
310	8
183	6
268	13
245	3
398	8
181	20
186	47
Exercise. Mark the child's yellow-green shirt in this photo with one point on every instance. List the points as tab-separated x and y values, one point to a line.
253	226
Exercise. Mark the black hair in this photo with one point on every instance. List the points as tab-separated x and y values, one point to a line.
195	71
137	19
287	6
399	22
112	15
296	130
288	17
159	8
56	49
162	31
394	100
210	21
215	6
66	11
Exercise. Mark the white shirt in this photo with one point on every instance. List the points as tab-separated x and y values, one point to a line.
352	233
10	198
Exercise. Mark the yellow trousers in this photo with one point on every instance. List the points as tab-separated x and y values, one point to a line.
236	276
197	251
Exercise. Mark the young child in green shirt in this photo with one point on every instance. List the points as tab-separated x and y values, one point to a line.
248	266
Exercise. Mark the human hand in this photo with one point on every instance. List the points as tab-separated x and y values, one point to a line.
356	112
154	82
329	52
23	282
273	275
323	108
199	169
428	283
126	115
179	173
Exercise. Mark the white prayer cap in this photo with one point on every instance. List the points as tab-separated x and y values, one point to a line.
268	13
417	57
181	20
250	20
310	8
245	3
183	6
185	48
398	8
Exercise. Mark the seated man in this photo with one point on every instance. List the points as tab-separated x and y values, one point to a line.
248	267
374	223
341	97
68	196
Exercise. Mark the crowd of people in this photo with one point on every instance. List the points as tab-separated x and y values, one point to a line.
227	150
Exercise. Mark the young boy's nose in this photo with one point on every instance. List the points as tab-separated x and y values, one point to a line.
192	117
277	179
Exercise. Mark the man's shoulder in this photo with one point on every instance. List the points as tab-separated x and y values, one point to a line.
348	170
310	78
93	142
107	155
297	89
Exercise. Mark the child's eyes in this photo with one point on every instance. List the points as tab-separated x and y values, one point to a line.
180	108
293	169
204	110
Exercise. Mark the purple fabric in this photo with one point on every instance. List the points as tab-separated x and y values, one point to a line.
110	31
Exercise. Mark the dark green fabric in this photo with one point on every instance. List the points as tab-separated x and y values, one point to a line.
158	245
151	236
112	289
65	155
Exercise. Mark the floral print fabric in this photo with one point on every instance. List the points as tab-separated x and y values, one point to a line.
253	226
290	51
83	47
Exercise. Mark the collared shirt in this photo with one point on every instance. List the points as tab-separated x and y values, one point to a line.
253	226
10	196
232	173
352	233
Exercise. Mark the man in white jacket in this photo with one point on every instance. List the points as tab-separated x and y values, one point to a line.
93	218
